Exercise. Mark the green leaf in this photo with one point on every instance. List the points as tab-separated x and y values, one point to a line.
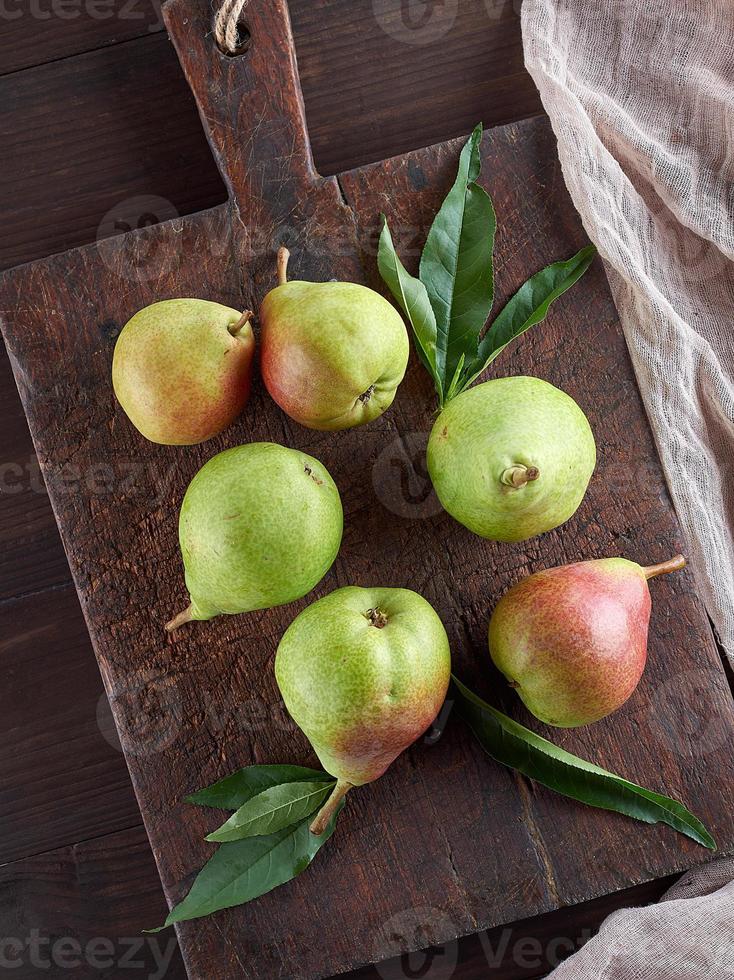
411	294
455	381
243	870
529	306
233	791
456	265
515	746
448	306
274	808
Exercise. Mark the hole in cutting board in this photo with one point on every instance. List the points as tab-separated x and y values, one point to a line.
244	37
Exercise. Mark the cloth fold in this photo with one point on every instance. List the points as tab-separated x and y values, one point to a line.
640	94
688	936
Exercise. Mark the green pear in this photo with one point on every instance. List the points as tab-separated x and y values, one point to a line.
260	526
333	353
572	640
182	369
363	673
511	458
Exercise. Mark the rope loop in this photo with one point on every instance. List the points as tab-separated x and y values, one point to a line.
226	26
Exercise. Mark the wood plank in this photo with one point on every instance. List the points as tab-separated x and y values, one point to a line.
50	30
344	50
100	893
489	849
80	139
89	152
62	774
79	910
31	555
382	78
518	951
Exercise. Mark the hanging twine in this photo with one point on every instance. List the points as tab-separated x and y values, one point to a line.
225	25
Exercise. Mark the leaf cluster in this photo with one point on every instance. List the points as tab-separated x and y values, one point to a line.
450	301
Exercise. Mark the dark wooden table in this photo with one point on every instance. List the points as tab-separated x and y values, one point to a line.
99	133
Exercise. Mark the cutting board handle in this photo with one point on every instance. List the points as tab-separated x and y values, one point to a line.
251	104
252	108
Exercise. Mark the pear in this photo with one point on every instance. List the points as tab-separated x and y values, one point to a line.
182	368
260	526
511	458
363	673
572	640
333	353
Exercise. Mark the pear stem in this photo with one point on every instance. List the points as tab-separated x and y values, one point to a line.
327	811
672	565
234	328
518	475
283	256
377	617
183	617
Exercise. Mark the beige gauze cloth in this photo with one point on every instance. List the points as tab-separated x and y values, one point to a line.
688	936
640	94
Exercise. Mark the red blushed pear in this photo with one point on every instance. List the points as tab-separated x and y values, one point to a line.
182	369
572	640
332	353
363	673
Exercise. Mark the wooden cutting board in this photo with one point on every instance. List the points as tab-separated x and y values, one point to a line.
447	842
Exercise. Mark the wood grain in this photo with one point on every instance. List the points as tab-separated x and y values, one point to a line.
51	30
96	154
355	75
490	848
31	555
382	78
342	47
78	911
98	891
62	774
521	951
